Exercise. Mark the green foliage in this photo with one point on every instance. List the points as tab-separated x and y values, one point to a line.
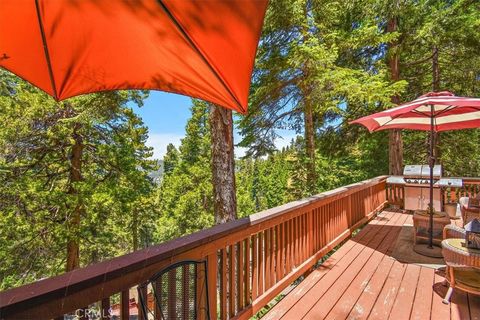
262	183
37	202
184	197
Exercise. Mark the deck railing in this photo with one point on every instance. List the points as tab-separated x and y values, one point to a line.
470	188
249	261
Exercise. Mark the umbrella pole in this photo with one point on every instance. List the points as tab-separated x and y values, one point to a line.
431	163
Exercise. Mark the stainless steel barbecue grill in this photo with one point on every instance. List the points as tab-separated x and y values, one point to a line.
416	181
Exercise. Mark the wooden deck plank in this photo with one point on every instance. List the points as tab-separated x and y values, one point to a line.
459	306
422	305
440	310
383	305
357	276
346	302
305	286
474	303
406	293
319	288
367	299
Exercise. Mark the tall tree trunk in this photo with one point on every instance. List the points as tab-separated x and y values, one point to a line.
436	87
310	145
73	245
223	164
395	141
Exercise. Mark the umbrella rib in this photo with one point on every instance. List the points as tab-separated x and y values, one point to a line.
392	118
197	50
46	52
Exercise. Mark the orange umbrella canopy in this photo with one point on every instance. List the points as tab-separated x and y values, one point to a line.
204	49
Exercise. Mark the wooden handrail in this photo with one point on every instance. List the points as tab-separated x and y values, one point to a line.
250	260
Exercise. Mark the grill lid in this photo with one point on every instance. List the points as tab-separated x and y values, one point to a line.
422	171
437	171
412	171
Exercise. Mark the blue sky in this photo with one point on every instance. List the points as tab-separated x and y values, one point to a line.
166	114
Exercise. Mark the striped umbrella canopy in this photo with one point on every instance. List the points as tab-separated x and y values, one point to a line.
434	111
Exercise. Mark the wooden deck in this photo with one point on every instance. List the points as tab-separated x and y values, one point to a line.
362	281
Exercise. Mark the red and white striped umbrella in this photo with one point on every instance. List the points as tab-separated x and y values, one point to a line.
447	111
434	112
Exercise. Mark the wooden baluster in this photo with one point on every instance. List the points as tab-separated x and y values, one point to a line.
288	247
322	226
311	241
301	237
329	226
282	249
223	283
105	309
319	228
212	271
247	274
231	292
267	259
314	230
272	256
255	268
304	237
327	223
278	265
297	240
124	305
201	294
261	263
291	244
240	283
318	235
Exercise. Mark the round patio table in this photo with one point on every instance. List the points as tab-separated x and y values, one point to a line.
463	267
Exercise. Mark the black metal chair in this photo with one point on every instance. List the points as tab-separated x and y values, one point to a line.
178	292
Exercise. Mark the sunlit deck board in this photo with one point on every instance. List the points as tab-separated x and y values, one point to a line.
362	281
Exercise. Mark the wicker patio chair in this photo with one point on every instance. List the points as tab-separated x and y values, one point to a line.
453	231
179	291
469	212
463	267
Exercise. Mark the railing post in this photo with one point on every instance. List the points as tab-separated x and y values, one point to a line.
105	309
212	271
310	233
124	305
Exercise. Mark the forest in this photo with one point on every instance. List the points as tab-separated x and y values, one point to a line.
75	176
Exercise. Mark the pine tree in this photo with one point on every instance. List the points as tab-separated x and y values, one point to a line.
316	64
69	174
185	196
